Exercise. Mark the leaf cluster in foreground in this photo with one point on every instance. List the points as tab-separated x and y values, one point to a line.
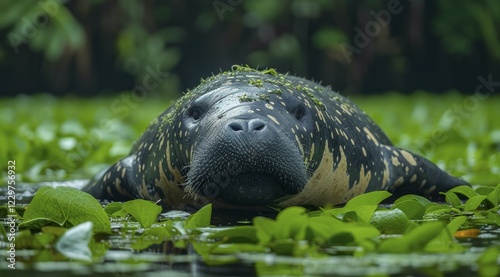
69	224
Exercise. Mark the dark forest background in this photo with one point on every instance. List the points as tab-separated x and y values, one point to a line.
95	47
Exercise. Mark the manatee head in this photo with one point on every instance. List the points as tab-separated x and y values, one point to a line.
251	137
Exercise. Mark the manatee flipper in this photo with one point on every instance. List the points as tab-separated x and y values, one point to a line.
414	174
113	183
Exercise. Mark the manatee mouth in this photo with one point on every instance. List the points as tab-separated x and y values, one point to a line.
244	180
246	189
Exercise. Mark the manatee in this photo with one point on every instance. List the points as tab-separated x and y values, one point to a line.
252	138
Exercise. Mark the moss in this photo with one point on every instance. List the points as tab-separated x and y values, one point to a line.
313	97
276	92
245	98
256	82
246	68
281	81
264	97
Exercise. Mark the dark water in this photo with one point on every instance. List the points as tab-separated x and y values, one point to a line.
166	260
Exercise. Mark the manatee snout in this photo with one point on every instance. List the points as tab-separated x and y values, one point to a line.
246	161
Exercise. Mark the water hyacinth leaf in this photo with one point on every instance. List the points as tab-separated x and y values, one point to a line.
322	227
113	207
265	229
484	190
352	216
444	242
370	198
199	219
452	198
74	244
414	241
437	208
38	223
358	231
145	212
283	246
414	210
291	223
239	234
390	221
474	202
455	224
420	199
230	248
494	196
464	190
67	207
150	236
58	231
363	212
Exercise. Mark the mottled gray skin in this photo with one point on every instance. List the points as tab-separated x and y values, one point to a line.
253	138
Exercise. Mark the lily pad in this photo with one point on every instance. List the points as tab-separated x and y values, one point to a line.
145	212
66	207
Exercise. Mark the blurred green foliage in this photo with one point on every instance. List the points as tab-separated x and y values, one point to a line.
107	46
66	138
462	23
46	26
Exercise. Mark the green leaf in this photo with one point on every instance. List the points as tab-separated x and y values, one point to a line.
455	224
199	219
283	246
473	203
67	207
444	242
291	223
113	207
363	205
484	190
74	244
464	190
239	234
150	236
144	211
414	241
265	229
390	221
452	199
370	198
422	200
230	248
363	212
494	196
414	210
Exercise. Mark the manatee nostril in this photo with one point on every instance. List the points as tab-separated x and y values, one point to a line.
236	126
256	125
246	126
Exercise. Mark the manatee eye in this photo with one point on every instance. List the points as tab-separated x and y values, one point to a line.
299	112
194	113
